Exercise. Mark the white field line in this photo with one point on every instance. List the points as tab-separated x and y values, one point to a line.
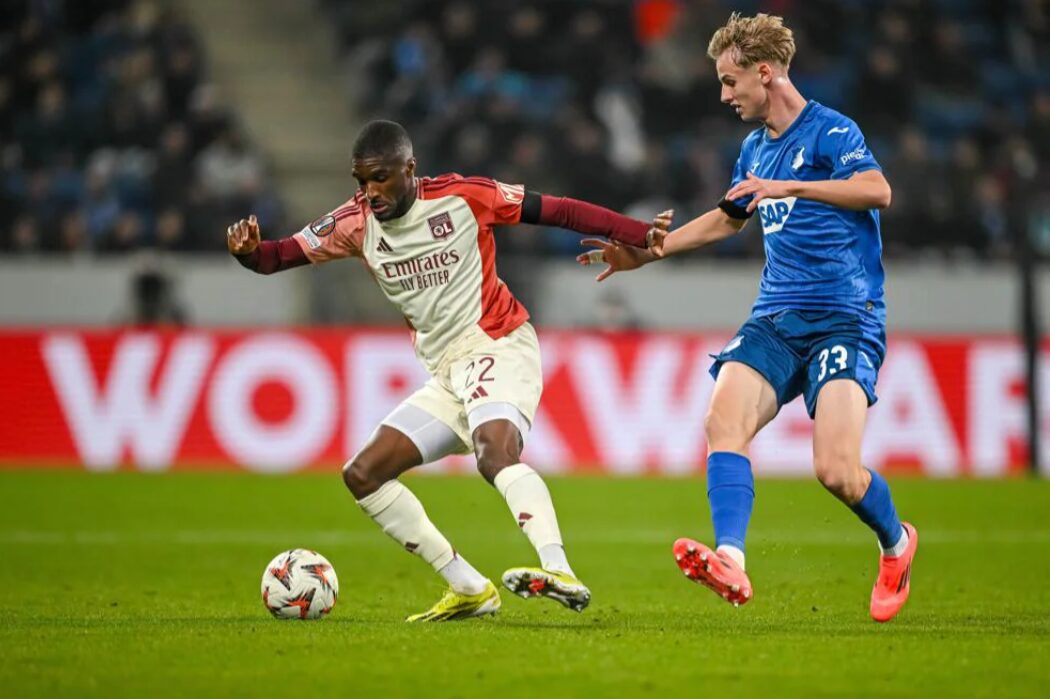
317	538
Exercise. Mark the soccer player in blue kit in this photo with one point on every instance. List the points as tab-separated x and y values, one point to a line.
817	328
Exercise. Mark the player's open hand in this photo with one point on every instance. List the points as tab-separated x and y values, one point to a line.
759	188
243	237
654	239
619	257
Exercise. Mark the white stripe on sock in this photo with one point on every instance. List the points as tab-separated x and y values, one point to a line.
899	547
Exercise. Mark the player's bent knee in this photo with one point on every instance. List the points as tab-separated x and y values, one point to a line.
840	474
491	466
493	458
361	478
496	447
830	476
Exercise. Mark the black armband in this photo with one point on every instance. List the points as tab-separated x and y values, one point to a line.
733	211
531	207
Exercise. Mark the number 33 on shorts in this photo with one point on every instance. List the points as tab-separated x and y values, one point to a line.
841	359
838	356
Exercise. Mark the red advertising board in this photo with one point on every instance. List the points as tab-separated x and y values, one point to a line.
614	403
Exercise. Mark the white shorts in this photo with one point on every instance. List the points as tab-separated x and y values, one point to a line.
497	380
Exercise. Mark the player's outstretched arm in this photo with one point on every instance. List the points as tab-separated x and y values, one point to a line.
584	217
704	230
621	258
864	190
709	228
244	241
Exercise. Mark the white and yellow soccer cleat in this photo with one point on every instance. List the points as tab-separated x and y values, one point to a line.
537	582
454	606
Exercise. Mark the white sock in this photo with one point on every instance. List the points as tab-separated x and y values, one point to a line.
530	503
401	515
552	557
733	552
899	547
463	577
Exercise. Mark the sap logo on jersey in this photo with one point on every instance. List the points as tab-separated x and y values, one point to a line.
774	213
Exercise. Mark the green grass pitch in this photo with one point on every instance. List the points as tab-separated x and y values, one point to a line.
148	585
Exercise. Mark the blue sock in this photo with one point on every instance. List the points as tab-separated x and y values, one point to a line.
877	511
731	493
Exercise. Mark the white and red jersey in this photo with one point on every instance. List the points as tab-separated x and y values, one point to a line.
437	263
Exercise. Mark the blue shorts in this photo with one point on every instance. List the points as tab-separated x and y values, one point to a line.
798	352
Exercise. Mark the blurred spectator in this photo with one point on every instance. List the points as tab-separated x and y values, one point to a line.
613	313
174	168
112	137
100	204
153	300
73	233
884	96
25	235
126	235
171	231
618	102
107	126
225	166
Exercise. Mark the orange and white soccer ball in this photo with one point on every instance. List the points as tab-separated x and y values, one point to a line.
299	584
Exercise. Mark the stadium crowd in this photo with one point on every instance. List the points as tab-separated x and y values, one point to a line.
112	138
617	102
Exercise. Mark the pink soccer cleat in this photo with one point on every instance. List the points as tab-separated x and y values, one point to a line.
894	581
714	570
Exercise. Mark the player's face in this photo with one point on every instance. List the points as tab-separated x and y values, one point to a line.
388	184
744	89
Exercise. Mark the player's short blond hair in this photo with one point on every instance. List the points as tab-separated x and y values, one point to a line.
759	39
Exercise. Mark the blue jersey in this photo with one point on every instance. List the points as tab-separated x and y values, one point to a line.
818	256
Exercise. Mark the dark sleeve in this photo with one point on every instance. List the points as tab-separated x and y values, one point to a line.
582	217
734	211
274	256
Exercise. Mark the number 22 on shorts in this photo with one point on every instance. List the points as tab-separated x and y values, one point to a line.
480	370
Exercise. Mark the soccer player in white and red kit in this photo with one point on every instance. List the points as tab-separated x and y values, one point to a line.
429	244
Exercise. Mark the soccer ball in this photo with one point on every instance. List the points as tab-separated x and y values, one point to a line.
299	584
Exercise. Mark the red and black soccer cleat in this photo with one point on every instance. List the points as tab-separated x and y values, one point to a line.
894	581
714	570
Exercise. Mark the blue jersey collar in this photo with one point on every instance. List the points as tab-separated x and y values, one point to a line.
766	138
